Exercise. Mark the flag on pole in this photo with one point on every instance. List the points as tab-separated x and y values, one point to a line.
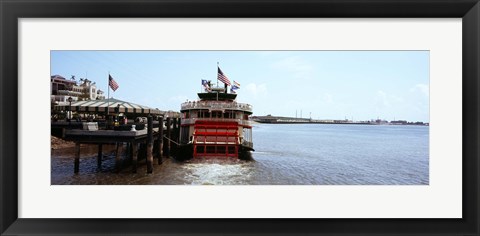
223	77
112	83
205	85
236	84
233	88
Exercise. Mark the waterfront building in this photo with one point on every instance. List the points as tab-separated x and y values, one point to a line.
61	89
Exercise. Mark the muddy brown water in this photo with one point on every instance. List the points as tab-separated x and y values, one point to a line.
311	154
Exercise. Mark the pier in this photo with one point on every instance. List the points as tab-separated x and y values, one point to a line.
154	139
143	131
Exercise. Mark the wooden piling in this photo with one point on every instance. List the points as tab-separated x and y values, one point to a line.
118	155
128	150
134	156
167	144
176	134
174	131
99	156
103	137
150	144
160	141
77	158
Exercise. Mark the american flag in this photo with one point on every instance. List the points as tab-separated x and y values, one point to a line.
223	77
112	83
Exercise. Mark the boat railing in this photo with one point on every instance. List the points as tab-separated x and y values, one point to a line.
189	121
216	105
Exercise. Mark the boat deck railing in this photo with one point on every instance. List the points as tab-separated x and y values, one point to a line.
216	105
189	121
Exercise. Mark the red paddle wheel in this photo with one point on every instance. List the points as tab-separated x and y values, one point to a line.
215	139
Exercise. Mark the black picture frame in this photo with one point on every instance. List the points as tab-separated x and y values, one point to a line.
11	11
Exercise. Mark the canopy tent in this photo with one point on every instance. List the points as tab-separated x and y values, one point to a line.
100	106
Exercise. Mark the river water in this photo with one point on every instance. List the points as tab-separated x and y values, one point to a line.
286	154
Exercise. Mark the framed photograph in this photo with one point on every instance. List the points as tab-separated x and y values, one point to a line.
318	117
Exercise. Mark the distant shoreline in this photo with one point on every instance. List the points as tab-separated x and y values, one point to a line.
269	119
332	123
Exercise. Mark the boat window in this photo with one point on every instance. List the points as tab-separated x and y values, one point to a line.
216	114
203	114
228	114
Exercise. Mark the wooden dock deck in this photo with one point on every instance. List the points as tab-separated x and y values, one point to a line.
86	136
146	138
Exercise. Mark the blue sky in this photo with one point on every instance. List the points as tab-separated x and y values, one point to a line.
362	85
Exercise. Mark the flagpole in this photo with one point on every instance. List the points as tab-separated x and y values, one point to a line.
108	99
217	73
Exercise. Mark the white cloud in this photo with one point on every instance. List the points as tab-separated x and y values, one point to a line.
256	89
328	98
396	98
422	88
382	99
299	68
385	100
